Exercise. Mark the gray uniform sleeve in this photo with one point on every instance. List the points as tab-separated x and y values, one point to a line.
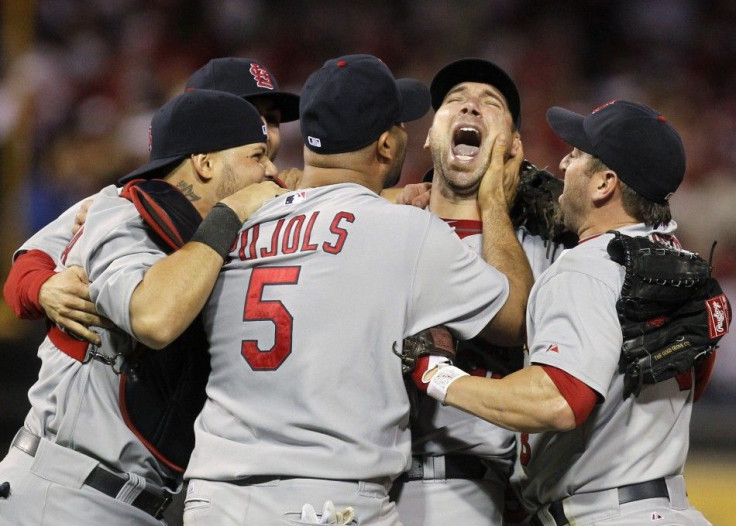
540	253
54	237
453	286
577	328
115	250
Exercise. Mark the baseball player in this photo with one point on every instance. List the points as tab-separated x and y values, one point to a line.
75	461
306	402
589	455
462	464
34	289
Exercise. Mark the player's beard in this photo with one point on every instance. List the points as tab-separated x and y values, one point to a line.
458	182
229	182
394	172
572	207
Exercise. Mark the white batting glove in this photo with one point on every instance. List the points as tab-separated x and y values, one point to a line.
440	382
329	514
308	514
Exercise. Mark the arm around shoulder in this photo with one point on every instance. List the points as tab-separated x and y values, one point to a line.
175	289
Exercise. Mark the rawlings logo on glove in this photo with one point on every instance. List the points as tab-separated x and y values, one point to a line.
717	309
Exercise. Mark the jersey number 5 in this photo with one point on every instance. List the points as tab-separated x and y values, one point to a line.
258	309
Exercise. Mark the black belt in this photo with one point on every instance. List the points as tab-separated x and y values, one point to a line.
653	489
102	480
456	467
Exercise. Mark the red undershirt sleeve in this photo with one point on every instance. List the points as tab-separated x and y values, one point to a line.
578	395
29	271
702	375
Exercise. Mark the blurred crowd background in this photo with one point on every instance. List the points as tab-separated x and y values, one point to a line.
80	80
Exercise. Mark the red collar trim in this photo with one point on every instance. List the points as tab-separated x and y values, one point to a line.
580	242
465	227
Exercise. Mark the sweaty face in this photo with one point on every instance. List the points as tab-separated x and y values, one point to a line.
574	201
462	134
243	166
272	115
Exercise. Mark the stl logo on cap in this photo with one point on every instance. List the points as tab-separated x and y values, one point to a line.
261	76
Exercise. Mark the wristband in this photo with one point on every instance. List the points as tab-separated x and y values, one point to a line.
438	385
218	229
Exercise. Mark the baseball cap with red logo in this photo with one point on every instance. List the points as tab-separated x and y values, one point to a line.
351	100
200	121
632	139
246	78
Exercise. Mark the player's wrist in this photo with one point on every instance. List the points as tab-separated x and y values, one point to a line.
218	229
426	367
440	378
39	288
494	210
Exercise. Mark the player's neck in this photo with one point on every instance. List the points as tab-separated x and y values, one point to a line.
604	220
314	177
450	206
201	200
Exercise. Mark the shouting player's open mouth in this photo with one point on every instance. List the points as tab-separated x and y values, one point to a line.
466	143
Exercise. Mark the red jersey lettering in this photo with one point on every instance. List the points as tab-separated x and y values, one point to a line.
339	231
290	243
274	241
306	245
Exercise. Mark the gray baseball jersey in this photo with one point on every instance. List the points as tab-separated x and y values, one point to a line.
572	325
75	404
443	429
319	287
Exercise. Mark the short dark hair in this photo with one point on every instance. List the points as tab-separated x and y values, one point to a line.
636	205
642	209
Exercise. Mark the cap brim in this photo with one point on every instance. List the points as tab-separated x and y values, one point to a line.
288	103
152	169
568	126
415	99
476	70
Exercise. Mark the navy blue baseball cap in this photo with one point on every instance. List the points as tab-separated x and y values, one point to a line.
201	121
247	78
476	70
632	139
351	100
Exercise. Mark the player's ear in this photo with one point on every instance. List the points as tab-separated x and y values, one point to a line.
386	147
605	184
515	144
203	165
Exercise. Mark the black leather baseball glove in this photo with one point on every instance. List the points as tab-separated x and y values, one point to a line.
435	341
536	205
672	312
